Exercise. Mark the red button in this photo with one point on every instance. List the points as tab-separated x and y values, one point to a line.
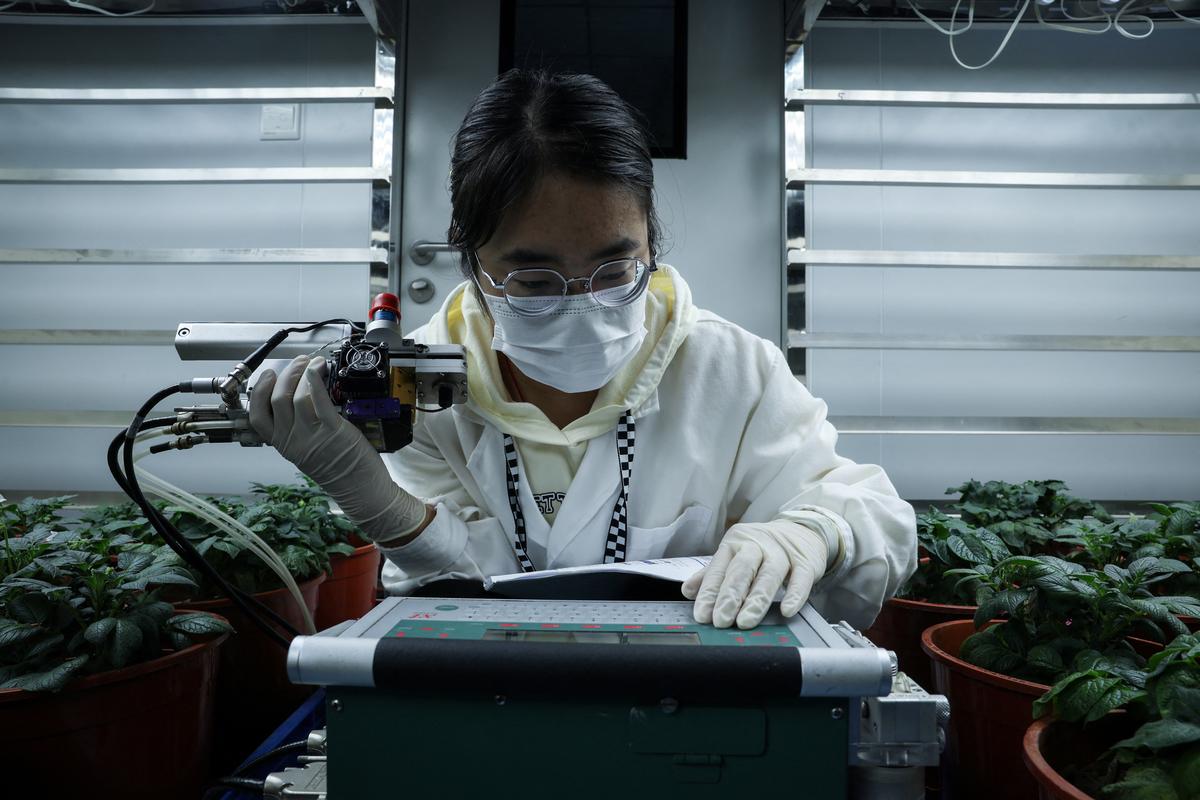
399	634
508	625
674	627
740	639
549	625
443	635
590	627
633	627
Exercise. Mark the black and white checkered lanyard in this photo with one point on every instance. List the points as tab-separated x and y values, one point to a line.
614	548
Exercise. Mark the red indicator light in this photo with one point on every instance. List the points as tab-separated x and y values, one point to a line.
633	627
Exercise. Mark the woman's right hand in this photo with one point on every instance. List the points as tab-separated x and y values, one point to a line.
293	411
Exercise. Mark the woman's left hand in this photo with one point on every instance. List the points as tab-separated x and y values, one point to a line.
749	568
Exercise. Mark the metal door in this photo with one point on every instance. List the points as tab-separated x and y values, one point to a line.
452	54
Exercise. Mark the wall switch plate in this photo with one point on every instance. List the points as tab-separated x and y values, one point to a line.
280	121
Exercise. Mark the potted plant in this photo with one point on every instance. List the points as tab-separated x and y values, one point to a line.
931	596
1121	732
1056	610
350	589
253	691
96	670
989	522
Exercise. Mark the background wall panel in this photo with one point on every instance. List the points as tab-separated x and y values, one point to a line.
949	302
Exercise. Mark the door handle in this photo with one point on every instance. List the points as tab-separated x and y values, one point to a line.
422	252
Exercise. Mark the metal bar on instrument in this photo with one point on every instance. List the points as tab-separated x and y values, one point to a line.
65	419
256	255
1130	426
875	341
989	260
280	94
80	336
1009	180
1072	100
199	175
232	341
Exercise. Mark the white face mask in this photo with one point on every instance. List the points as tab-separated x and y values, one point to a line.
578	347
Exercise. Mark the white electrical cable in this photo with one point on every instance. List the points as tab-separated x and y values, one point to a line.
1108	22
231	527
1004	43
1140	17
88	7
933	23
1193	20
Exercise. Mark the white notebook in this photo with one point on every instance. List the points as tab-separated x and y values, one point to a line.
667	569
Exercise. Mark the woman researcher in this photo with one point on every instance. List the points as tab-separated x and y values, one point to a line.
609	419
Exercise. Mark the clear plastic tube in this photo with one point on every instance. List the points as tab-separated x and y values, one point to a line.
231	528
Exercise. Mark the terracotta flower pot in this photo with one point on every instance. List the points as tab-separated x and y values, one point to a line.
1051	746
899	627
349	592
144	731
253	692
989	714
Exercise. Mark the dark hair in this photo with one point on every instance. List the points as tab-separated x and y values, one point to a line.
531	123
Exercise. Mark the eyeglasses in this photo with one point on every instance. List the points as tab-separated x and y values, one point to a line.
534	292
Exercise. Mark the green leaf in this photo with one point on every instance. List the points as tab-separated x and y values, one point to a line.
989	650
1143	782
1046	702
51	680
198	624
179	641
1046	659
158	611
30	608
340	549
1006	601
1163	733
98	632
126	642
44	647
16	633
134	562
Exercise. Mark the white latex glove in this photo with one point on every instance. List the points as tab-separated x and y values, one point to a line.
294	413
748	569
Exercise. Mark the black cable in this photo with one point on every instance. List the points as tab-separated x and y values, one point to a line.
358	326
178	543
283	750
129	483
255	359
217	789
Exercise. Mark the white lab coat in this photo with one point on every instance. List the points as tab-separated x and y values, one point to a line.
727	435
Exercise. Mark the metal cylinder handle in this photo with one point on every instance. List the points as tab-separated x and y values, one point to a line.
422	252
